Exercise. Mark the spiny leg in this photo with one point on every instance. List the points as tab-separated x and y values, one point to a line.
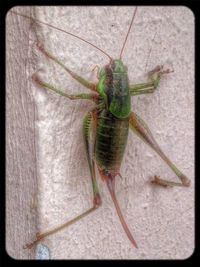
78	78
40	236
48	86
89	137
152	85
89	134
140	128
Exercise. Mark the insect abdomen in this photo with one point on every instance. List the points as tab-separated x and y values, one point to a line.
111	138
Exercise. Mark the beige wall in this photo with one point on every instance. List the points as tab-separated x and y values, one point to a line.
162	220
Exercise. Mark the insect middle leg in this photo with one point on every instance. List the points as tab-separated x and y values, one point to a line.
48	86
89	127
140	128
152	85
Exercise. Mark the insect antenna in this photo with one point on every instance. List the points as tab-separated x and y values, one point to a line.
128	32
56	28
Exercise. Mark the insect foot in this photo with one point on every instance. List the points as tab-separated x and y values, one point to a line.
41	48
165	183
159	70
37	80
185	181
157	180
155	74
30	245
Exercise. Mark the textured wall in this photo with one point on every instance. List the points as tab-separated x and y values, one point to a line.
21	169
161	220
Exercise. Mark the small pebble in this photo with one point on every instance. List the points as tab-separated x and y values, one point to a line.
42	252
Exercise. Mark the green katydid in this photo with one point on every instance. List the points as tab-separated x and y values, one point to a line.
106	126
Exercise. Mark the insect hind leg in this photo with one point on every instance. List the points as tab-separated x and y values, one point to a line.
89	135
140	128
89	126
40	236
165	183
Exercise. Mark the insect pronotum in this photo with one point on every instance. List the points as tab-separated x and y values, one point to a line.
112	111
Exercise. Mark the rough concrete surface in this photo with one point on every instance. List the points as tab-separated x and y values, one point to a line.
161	220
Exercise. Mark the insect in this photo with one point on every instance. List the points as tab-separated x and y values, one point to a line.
106	126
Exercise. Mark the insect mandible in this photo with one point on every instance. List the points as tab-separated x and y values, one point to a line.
106	125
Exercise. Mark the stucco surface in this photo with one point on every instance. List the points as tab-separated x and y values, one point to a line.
161	220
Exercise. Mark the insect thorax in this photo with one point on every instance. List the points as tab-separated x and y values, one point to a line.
113	86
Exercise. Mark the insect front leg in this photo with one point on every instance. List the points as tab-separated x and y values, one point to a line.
140	128
89	128
152	85
78	78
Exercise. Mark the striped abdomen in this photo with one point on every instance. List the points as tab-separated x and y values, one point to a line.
111	139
